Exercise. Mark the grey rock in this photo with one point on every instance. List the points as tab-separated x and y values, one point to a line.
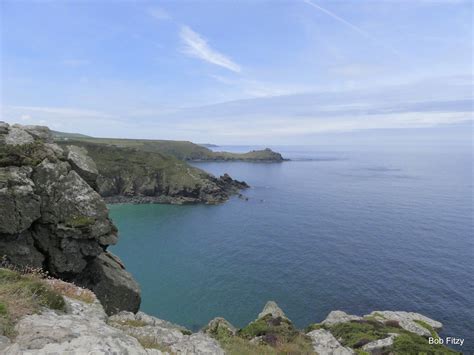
381	346
272	308
152	330
51	217
20	204
18	136
325	343
55	333
82	164
38	132
407	321
336	317
197	343
112	284
4	342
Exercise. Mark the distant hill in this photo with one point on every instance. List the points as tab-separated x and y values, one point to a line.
208	145
62	135
183	150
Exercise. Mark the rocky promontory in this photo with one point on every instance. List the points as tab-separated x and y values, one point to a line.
127	174
52	216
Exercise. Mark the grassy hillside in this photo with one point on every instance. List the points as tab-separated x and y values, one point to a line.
182	150
145	176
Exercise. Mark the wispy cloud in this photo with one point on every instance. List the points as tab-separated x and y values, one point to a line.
353	27
61	111
196	46
159	14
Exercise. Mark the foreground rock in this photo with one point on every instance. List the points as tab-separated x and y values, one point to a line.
325	343
336	317
83	327
156	332
409	321
52	218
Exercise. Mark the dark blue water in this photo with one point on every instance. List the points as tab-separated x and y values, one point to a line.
350	229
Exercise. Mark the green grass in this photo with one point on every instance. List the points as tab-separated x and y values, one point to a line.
80	221
356	334
278	336
182	150
409	343
314	326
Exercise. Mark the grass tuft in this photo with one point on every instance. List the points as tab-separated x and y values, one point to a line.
23	294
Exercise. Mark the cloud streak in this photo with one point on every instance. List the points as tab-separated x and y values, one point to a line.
197	47
353	27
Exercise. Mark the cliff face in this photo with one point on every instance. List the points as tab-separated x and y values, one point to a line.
133	175
52	218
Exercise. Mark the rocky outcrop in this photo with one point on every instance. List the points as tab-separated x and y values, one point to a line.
82	329
156	332
219	326
336	317
325	343
409	321
381	346
133	175
272	309
52	218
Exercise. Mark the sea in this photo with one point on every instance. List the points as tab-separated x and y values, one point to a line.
346	228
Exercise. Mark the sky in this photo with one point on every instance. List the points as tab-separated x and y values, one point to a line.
239	72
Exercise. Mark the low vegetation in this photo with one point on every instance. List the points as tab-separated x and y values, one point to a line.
23	294
182	150
356	334
267	335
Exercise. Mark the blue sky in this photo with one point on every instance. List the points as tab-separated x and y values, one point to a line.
269	72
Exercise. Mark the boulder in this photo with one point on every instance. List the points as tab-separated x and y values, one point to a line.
406	320
381	346
272	308
325	343
82	330
336	317
18	136
112	284
160	333
83	164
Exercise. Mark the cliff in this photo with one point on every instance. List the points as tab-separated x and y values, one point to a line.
69	319
182	150
51	217
132	175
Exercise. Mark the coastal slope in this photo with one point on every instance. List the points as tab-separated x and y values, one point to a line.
182	150
128	174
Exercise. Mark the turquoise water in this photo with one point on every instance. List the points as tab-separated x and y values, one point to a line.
356	230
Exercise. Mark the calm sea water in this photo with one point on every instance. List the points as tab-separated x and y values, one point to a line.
350	229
